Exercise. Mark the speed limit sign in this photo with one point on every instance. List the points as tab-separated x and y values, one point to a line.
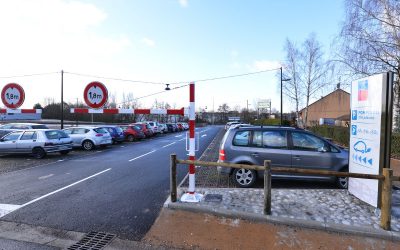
13	95
95	95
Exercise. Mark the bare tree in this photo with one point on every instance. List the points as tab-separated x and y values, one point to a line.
291	88
313	70
370	40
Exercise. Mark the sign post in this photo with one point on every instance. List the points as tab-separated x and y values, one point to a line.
370	131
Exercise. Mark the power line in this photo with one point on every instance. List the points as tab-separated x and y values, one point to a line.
38	74
115	79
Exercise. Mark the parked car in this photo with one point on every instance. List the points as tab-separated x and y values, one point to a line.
162	128
171	127
153	126
285	147
145	129
116	132
89	137
7	128
180	126
228	124
185	126
133	132
37	143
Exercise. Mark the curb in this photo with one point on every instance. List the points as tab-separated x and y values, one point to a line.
329	227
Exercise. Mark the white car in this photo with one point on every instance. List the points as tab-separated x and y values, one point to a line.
36	142
7	128
154	126
89	137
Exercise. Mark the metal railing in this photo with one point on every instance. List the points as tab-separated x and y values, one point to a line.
385	180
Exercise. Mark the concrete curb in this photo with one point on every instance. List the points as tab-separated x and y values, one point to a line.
330	227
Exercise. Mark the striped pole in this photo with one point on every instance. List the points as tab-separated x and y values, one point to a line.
192	144
191	195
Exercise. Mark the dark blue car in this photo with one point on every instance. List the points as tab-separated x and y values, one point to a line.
117	134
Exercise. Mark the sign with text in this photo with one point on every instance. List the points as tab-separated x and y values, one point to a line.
368	133
95	95
13	95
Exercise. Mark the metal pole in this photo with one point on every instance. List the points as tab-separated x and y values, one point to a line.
173	188
267	187
192	139
281	97
62	99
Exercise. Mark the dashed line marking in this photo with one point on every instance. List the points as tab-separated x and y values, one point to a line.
169	144
142	155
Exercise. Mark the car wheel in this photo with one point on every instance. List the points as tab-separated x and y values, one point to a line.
38	153
130	138
87	145
244	177
64	152
343	182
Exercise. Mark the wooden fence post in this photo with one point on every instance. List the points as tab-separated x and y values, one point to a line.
173	188
386	199
267	187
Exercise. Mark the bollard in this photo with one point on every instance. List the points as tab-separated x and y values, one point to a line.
267	187
386	199
173	188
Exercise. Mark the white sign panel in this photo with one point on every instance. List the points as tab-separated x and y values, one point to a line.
264	104
365	136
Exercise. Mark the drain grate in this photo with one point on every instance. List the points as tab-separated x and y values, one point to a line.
213	197
93	241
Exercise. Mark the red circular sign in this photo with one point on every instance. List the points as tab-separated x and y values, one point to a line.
13	95
95	95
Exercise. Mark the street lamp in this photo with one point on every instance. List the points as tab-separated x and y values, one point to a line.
282	80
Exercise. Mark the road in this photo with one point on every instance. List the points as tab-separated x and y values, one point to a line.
118	190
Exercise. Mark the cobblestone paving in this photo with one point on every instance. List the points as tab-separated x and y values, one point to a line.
322	205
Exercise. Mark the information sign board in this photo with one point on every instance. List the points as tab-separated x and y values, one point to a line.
368	134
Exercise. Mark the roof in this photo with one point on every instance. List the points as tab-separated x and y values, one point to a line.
337	90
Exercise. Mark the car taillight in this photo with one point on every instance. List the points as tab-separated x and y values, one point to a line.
48	144
98	135
222	155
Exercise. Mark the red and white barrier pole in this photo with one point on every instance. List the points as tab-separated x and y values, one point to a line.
191	196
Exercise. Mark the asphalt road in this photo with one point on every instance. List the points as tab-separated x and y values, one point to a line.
120	190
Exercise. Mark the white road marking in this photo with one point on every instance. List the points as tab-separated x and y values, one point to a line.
178	136
169	144
182	139
204	135
122	146
45	177
142	155
60	160
63	188
7	208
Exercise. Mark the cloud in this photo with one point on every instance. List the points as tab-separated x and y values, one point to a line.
265	65
183	3
149	42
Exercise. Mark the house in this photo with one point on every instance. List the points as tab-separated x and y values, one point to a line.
332	107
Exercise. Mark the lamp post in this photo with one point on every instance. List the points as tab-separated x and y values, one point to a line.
282	80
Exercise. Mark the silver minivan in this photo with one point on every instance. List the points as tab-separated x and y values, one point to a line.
36	142
285	147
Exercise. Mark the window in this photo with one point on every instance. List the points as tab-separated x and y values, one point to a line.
241	138
80	131
8	126
53	134
39	127
20	127
100	130
303	141
274	139
257	139
12	136
68	131
29	135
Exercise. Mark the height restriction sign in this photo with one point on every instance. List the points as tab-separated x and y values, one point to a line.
95	95
13	95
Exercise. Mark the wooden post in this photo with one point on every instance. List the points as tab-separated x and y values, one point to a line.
173	188
386	199
267	187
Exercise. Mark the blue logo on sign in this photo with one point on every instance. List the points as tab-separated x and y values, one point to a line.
354	129
361	147
354	115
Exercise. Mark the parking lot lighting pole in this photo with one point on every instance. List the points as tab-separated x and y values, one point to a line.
62	99
282	80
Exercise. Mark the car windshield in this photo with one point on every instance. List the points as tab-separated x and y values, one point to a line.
118	129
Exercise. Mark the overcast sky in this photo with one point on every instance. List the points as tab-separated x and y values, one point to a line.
159	41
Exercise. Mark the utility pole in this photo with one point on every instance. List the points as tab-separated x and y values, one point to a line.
281	97
62	99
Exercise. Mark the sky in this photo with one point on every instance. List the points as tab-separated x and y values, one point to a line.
158	41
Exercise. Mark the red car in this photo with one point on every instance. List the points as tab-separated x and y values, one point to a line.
132	133
180	126
145	129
